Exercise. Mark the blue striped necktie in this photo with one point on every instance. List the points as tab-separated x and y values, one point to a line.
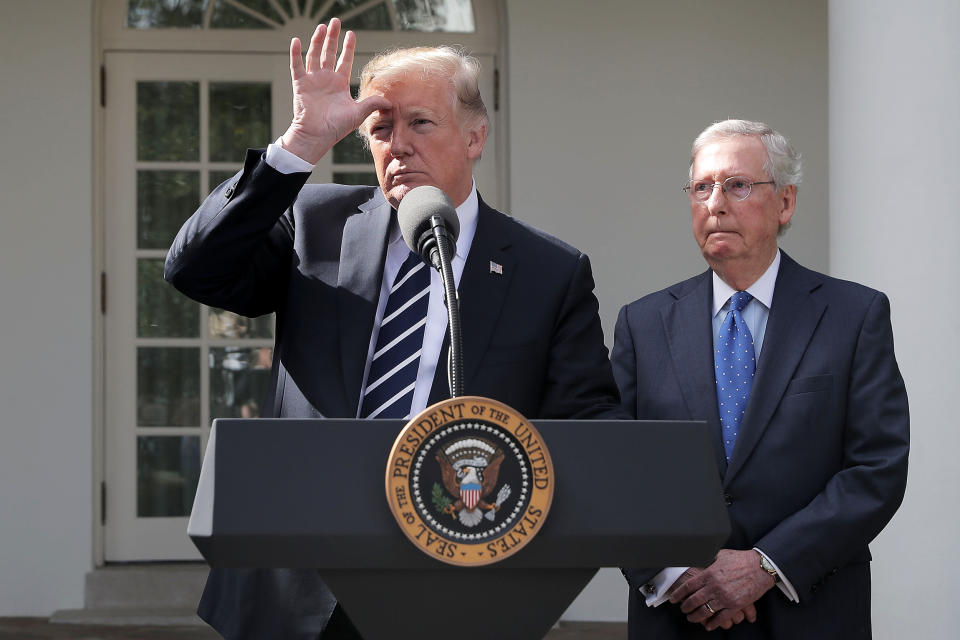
396	358
734	366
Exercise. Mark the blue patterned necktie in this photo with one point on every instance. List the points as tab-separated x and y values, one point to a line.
734	362
396	358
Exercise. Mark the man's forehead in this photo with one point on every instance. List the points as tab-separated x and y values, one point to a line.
740	154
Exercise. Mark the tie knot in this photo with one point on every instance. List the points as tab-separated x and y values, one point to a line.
739	300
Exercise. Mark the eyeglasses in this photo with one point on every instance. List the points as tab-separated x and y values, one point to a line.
737	186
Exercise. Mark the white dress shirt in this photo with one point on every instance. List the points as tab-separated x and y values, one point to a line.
755	314
397	251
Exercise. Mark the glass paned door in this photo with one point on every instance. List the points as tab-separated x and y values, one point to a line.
174	131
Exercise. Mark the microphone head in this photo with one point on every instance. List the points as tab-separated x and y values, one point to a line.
416	209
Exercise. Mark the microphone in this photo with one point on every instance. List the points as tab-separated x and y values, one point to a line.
422	210
429	224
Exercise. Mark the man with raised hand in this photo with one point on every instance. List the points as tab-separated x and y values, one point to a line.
361	329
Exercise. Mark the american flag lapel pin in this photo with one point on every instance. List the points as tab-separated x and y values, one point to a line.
496	267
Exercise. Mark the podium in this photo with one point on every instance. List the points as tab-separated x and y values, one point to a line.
310	494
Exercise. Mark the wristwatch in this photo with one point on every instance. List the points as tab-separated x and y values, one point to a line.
766	566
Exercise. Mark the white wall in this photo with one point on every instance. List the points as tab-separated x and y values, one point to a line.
895	131
46	313
605	101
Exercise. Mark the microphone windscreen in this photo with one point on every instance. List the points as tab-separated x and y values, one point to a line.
417	207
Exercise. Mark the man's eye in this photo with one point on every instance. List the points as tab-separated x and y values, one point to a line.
700	187
739	183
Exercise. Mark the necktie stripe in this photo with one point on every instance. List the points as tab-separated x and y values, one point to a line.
406	304
400	337
399	282
376	383
394	400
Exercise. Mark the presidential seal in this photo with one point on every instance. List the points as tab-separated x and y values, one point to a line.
470	481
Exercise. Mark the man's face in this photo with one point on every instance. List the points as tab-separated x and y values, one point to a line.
741	234
419	141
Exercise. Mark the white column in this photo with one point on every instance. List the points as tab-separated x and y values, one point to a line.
895	225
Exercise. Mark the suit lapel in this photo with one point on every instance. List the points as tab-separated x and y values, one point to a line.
688	329
794	316
362	254
482	294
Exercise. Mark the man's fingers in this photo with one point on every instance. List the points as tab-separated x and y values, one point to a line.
750	611
296	62
345	64
328	55
314	50
737	616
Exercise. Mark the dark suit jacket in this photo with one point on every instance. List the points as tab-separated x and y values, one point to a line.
263	242
820	463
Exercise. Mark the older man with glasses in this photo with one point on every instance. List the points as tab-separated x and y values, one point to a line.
795	373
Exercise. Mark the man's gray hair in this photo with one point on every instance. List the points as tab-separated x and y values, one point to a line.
783	163
423	63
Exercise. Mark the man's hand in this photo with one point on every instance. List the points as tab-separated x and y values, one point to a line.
724	618
324	112
728	587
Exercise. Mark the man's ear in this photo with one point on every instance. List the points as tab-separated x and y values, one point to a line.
788	202
476	138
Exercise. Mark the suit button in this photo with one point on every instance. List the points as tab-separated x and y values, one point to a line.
649	589
834	571
727	499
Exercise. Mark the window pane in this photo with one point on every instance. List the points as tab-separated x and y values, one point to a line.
162	311
164	200
351	150
376	18
435	15
168	468
168	384
219	177
226	16
367	178
168	121
158	14
239	380
224	324
239	118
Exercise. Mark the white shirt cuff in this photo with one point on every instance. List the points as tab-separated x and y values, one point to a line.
785	586
661	583
285	161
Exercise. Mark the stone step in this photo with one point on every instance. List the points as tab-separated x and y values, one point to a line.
145	586
129	616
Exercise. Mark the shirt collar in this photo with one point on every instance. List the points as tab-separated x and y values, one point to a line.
761	290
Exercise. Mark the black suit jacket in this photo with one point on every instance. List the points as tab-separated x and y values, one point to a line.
263	242
820	463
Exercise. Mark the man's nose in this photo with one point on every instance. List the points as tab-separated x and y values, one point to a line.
717	202
400	142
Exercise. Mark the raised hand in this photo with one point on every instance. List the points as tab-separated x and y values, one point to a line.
324	112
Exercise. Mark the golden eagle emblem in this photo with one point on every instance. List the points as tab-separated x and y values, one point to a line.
469	468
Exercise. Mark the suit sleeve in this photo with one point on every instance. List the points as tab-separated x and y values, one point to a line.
624	361
859	500
579	381
234	252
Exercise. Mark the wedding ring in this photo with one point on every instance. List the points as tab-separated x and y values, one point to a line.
709	608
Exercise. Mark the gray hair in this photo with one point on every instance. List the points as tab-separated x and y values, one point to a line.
452	63
783	163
